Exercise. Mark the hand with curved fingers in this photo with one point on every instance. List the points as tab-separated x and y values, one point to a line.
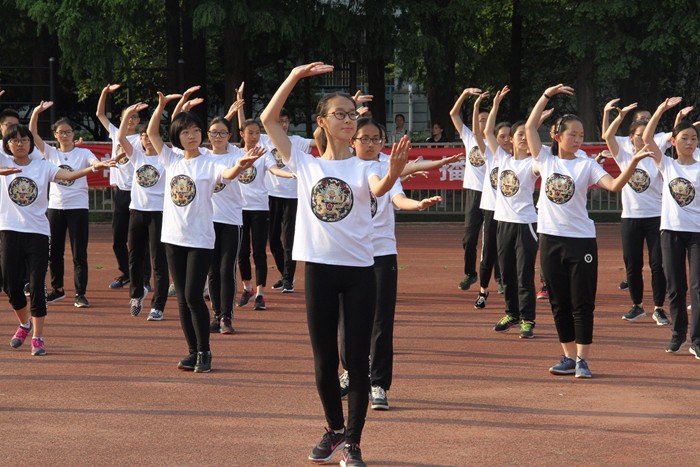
43	105
187	106
611	105
78	141
643	153
111	88
600	158
669	103
472	92
409	177
399	156
135	108
163	99
191	91
360	98
452	159
559	89
362	110
239	91
545	115
683	113
427	202
623	111
481	97
311	69
9	170
105	164
500	95
251	156
235	106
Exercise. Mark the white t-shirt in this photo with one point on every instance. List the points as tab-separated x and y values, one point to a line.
488	193
662	140
475	165
253	187
334	218
35	155
69	194
383	219
188	211
680	206
562	204
228	199
149	178
23	200
280	187
641	195
516	185
122	174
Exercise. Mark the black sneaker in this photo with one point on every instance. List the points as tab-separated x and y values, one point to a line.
287	287
81	302
203	364
329	444
188	362
119	282
215	325
259	303
467	282
695	350
225	326
675	345
481	300
623	285
635	313
660	317
352	456
55	295
278	285
245	297
506	323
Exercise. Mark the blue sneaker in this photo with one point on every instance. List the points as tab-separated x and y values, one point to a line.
566	366
582	370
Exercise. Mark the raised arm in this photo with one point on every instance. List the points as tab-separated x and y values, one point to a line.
271	115
611	131
489	131
682	114
180	107
457	108
397	162
102	104
533	121
476	126
154	124
127	149
648	135
609	107
34	124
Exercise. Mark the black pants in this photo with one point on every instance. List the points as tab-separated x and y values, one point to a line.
76	222
283	217
570	267
675	247
489	251
473	219
121	217
255	230
144	232
222	271
382	345
188	268
332	291
634	233
19	250
517	252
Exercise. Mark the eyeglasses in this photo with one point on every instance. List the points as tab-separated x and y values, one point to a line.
64	132
17	142
366	140
341	114
219	134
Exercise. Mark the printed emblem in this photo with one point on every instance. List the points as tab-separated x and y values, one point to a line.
372	203
682	191
218	187
23	191
248	175
147	176
182	190
588	258
65	182
278	159
331	199
475	157
639	181
124	160
510	183
560	188
493	178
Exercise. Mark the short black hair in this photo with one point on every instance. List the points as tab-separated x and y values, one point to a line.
285	113
182	121
8	113
17	131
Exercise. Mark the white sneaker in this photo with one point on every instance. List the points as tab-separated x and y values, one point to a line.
379	400
344	380
155	315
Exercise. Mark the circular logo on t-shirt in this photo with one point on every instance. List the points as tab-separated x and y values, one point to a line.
124	160
560	188
66	182
510	183
475	157
219	186
278	158
23	191
248	175
372	203
331	199
493	178
182	190
639	181
682	191
147	176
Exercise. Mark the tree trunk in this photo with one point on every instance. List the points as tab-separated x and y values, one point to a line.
194	52
516	66
172	41
586	100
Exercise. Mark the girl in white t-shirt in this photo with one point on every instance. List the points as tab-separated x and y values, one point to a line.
188	224
24	229
680	226
334	221
68	206
641	218
568	249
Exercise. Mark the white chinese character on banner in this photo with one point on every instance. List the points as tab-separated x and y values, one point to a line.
452	172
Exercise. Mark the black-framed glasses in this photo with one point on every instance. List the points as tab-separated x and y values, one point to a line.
19	141
64	132
341	114
219	134
366	140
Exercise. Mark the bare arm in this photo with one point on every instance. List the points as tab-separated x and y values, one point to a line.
183	99
611	131
489	131
454	113
397	162
606	115
34	124
476	127
420	166
617	183
407	204
102	104
648	135
533	138
682	114
154	124
243	163
127	149
64	174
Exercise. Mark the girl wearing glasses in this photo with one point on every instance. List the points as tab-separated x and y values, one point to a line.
188	224
68	206
334	223
569	253
25	230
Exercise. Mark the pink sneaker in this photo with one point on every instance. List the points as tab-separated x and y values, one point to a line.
38	346
20	336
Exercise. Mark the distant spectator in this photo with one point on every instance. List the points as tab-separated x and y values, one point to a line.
399	130
437	134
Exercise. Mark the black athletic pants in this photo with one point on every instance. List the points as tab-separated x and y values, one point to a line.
570	268
76	222
144	236
188	268
473	219
283	216
331	291
255	230
382	346
222	271
121	217
489	250
20	250
517	252
634	233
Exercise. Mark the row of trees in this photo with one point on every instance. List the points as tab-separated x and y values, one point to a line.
639	51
